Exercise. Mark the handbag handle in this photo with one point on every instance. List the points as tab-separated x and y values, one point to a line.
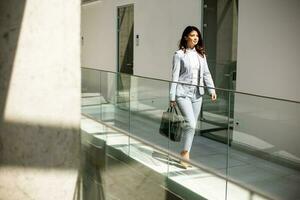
170	109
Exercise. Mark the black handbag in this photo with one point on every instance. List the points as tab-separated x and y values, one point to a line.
171	124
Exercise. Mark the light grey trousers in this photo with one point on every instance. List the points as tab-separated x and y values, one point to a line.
190	107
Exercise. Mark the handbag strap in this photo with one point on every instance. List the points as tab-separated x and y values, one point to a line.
170	109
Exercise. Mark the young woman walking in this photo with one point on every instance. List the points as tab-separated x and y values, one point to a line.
190	69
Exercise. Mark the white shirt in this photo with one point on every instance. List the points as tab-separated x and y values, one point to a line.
194	60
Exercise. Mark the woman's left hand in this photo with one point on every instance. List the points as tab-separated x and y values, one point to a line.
213	96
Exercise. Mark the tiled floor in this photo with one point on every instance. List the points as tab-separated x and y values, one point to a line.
279	181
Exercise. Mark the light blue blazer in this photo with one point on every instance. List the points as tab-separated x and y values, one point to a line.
182	73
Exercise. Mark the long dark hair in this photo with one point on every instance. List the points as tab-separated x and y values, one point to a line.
183	43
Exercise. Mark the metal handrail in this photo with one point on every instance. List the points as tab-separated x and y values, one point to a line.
220	89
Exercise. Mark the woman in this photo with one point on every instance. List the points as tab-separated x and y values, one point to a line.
190	67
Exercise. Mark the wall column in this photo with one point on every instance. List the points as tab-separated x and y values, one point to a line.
39	99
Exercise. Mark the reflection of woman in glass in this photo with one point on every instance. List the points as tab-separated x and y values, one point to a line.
190	67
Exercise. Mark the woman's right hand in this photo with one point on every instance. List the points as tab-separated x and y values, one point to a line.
173	103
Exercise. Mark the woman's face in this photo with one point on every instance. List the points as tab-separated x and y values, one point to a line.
192	39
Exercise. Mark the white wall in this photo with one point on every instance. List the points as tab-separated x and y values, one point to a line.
98	27
159	24
268	48
268	64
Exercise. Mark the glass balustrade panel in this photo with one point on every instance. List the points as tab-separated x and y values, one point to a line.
148	100
90	92
265	140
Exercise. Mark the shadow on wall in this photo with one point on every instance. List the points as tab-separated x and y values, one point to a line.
11	15
39	146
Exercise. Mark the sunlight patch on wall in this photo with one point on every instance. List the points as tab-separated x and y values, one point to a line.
45	81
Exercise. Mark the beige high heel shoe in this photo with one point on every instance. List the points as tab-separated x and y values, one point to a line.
186	156
185	165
